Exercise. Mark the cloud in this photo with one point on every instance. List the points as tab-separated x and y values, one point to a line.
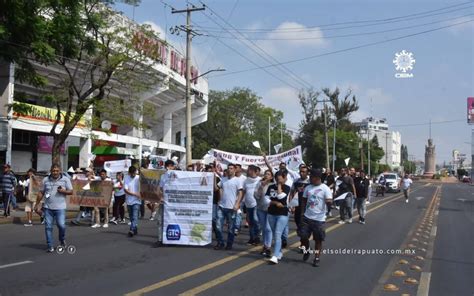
290	36
286	100
463	28
158	30
378	96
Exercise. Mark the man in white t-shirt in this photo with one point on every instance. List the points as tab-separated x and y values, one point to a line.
315	197
405	183
250	185
229	204
238	216
132	198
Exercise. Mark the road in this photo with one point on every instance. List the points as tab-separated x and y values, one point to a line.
436	225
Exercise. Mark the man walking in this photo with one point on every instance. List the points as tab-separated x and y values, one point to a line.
229	204
7	188
250	185
346	186
297	192
362	185
55	188
315	198
405	183
132	198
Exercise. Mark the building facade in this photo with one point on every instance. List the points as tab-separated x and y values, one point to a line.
24	140
389	141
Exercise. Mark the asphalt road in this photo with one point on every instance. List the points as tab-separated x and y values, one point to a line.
107	262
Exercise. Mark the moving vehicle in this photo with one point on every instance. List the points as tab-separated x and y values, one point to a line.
392	182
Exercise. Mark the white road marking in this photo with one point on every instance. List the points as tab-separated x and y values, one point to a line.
419	197
424	287
15	264
433	231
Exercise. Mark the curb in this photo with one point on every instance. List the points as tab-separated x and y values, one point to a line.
36	218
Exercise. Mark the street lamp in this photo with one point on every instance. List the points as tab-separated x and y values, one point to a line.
189	157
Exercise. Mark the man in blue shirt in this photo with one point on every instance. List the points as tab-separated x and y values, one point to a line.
7	186
55	188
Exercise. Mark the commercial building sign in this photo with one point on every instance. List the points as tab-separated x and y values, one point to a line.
470	110
158	51
44	114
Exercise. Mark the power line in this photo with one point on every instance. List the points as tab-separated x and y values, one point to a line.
265	54
353	34
376	22
344	50
428	123
245	57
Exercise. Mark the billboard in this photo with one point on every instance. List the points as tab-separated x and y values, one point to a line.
470	110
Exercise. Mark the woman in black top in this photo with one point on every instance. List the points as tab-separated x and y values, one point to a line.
278	211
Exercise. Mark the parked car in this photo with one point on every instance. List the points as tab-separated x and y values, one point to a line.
392	182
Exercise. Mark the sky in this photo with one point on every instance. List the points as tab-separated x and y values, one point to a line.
345	44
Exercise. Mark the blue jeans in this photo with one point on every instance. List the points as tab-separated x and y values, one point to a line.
254	230
284	235
277	224
49	217
133	211
265	227
222	215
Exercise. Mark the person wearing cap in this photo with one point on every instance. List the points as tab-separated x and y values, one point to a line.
315	199
7	186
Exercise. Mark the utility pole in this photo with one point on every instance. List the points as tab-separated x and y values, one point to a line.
334	147
326	133
368	150
189	36
269	138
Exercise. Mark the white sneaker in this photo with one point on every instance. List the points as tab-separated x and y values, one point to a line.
152	218
367	202
349	221
274	260
95	226
112	220
123	222
105	225
28	224
129	223
341	222
406	200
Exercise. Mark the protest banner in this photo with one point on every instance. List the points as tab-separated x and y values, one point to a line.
97	194
115	166
293	158
188	208
150	184
36	184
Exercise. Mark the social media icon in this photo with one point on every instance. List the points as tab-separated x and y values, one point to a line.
71	249
60	250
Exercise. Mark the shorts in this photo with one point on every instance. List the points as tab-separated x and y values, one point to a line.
29	206
312	227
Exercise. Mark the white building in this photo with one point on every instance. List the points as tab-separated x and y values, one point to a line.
24	142
389	141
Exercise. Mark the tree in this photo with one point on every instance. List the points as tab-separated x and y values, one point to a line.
311	136
236	118
97	56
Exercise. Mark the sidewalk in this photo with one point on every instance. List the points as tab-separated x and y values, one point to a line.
18	216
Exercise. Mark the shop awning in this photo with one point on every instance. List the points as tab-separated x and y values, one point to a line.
111	150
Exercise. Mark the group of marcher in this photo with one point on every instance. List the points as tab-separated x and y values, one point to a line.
268	199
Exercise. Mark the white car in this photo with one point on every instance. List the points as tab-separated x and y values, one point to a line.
392	182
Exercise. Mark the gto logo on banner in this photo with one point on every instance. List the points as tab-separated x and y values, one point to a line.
188	208
293	158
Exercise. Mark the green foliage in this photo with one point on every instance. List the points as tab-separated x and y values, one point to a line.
236	118
98	62
348	143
